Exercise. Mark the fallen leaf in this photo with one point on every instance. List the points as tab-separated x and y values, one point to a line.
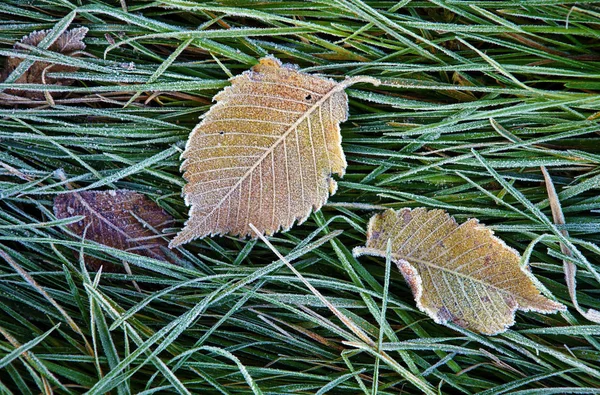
458	273
265	153
69	43
110	219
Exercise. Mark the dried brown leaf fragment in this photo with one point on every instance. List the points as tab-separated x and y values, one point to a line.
69	43
457	273
120	219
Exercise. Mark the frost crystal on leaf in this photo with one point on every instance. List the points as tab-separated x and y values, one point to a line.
457	273
121	219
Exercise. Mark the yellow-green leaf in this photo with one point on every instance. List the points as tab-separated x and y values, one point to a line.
265	153
458	273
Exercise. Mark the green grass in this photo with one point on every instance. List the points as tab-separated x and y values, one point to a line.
478	96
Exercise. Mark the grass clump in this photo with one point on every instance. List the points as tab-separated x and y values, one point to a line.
478	96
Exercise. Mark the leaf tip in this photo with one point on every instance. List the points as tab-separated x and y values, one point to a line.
264	153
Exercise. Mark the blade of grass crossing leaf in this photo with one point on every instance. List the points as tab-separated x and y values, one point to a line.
52	36
354	269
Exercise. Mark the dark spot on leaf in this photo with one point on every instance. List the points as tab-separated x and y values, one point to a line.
308	97
445	315
254	76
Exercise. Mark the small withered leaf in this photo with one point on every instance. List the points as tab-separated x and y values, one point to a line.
69	43
458	273
265	153
121	219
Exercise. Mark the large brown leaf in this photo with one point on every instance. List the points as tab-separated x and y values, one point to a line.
69	43
458	273
264	154
110	219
